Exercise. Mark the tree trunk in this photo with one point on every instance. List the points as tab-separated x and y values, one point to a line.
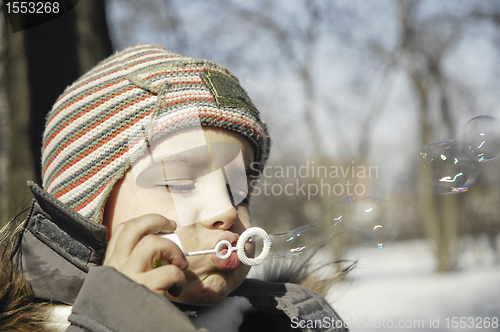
439	213
20	158
42	61
4	122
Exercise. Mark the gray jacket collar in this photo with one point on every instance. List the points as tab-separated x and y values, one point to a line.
56	247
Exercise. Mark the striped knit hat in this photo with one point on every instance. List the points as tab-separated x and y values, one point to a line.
86	145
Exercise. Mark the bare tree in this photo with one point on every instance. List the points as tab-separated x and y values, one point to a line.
4	119
41	62
20	161
422	50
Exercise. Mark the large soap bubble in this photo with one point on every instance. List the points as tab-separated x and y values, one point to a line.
449	170
482	138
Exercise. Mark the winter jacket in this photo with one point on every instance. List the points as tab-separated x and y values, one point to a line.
60	253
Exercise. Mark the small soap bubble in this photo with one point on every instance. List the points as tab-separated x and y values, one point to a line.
369	220
482	138
366	220
449	170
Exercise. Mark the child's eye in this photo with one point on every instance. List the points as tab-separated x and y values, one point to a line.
178	186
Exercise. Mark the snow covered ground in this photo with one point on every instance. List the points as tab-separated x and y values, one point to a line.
396	289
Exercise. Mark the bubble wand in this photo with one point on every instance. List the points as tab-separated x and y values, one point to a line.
240	247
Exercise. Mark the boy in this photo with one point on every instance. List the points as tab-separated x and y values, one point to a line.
150	142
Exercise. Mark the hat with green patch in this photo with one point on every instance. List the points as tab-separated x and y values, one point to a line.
86	143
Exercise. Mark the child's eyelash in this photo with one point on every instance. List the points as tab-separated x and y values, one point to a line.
179	188
185	187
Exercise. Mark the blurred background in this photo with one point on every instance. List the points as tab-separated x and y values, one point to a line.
356	88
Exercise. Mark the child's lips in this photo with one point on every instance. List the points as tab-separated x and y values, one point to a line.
232	262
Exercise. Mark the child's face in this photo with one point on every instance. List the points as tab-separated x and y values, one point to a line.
197	201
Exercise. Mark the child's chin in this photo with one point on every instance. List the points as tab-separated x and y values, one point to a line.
197	299
212	291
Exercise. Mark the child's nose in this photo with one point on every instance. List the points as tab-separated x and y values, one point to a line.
222	221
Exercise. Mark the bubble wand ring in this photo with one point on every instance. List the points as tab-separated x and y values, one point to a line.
240	247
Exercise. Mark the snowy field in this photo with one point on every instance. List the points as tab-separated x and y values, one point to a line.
395	289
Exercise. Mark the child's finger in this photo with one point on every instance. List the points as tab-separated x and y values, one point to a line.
126	235
154	248
164	278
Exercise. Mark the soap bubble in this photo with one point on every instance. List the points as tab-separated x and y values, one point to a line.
449	169
482	138
365	220
369	220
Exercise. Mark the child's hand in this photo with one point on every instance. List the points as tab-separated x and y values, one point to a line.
134	247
